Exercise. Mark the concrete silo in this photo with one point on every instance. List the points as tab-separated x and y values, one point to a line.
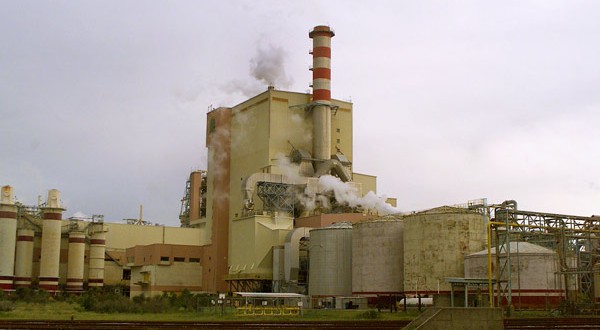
97	251
535	278
8	235
378	257
24	257
75	261
330	261
51	231
435	244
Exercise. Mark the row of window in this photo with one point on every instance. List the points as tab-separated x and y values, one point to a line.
180	259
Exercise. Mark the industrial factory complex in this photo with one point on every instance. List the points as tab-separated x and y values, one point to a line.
279	209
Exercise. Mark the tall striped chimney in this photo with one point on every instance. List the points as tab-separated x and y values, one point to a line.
321	36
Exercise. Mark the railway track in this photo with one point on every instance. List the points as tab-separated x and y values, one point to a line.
553	323
520	323
231	325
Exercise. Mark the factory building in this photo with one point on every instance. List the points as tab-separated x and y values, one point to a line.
40	248
279	208
272	163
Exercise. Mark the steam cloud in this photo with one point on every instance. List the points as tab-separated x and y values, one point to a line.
343	192
267	67
347	194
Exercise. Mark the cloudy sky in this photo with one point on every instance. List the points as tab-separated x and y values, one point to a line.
454	100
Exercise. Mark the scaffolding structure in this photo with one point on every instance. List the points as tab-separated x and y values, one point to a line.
575	239
188	209
278	197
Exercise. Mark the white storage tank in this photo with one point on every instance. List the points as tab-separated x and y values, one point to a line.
8	237
96	263
24	257
75	261
51	236
534	279
378	256
435	245
330	261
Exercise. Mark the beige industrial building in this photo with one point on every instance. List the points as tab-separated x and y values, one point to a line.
273	160
279	208
75	254
276	162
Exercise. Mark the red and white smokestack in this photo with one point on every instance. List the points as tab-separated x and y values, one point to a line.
321	36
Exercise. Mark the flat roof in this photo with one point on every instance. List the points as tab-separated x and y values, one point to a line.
472	281
270	295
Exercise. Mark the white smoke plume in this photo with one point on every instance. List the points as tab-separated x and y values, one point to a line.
218	158
344	193
288	169
347	194
268	66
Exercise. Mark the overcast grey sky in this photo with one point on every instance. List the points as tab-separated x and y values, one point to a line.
453	100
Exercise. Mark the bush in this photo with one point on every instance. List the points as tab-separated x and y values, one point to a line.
183	301
29	295
156	305
6	306
369	315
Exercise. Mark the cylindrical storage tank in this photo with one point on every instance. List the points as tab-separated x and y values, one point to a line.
96	266
330	261
534	279
24	257
75	261
378	257
8	237
435	245
51	231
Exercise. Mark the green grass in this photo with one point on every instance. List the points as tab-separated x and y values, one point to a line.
66	310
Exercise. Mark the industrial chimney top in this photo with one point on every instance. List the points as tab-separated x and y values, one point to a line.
321	30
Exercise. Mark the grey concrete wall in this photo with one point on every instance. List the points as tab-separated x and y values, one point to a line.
459	318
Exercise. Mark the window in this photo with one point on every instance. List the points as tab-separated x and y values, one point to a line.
179	259
164	258
127	274
195	260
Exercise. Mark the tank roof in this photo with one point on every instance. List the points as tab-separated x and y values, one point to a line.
337	225
390	217
521	248
446	209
